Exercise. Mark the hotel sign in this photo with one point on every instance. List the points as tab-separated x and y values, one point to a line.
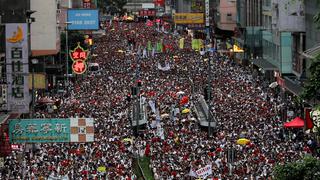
17	66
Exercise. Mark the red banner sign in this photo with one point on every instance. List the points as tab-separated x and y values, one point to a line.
147	13
86	4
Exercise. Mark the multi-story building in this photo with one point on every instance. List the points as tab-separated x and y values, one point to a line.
135	6
247	35
225	14
312	40
283	38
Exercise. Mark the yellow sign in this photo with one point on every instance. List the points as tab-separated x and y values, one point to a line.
17	36
189	18
39	81
237	49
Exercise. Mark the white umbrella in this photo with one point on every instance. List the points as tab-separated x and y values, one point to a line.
165	115
273	85
180	92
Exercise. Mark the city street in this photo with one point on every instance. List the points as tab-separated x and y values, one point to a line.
140	62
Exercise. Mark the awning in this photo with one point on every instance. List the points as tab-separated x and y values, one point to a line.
4	118
312	52
295	123
293	86
264	64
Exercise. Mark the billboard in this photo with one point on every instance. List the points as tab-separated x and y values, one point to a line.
189	18
83	19
51	130
17	66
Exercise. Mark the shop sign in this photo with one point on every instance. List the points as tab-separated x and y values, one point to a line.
147	13
79	57
189	18
51	130
17	67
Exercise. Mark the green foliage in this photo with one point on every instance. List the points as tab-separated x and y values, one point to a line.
73	38
112	6
307	168
311	90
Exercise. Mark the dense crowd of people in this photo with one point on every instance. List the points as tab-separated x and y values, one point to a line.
244	106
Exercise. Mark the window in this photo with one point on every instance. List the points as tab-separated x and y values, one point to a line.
229	17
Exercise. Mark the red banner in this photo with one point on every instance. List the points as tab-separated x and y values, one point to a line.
86	4
147	13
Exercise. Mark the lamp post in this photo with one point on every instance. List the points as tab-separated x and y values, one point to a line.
209	95
67	53
34	62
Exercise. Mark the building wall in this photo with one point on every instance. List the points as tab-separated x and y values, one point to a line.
228	13
312	33
183	6
290	15
45	38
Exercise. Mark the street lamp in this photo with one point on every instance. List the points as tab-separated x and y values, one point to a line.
67	53
34	62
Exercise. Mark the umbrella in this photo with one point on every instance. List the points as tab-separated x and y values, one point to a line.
193	119
165	115
185	111
102	169
130	18
243	141
184	100
273	85
128	140
180	92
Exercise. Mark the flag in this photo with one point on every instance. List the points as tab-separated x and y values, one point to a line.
309	123
159	47
181	43
192	172
149	46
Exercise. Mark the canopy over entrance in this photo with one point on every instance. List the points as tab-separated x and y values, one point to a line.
295	123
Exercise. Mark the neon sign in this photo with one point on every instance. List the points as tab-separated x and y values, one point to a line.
79	56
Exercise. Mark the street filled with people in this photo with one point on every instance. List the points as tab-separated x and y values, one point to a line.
243	105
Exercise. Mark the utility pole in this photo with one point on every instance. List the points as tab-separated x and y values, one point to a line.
209	95
137	99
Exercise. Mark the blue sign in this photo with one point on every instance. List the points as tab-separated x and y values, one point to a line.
83	19
39	130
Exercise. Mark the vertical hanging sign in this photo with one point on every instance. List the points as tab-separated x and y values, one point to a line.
207	12
79	56
17	55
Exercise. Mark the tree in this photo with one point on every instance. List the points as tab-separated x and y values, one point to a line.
312	87
73	38
305	169
112	6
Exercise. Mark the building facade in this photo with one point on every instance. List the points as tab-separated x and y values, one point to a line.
283	37
248	31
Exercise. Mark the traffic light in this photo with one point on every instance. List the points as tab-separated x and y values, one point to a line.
128	97
139	82
134	91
